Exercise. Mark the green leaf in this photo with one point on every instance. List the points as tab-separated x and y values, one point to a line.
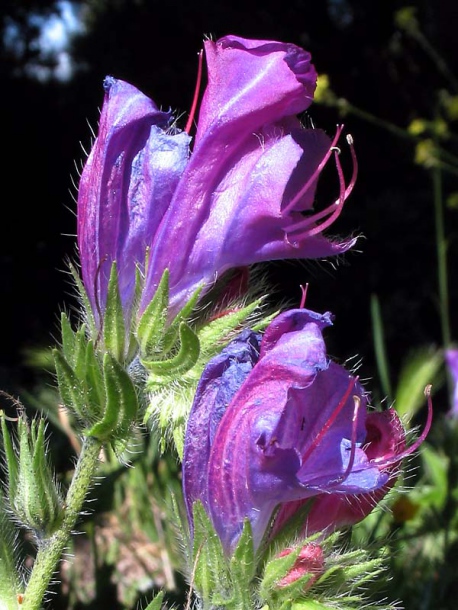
172	332
421	369
311	604
214	335
89	317
94	382
436	467
27	501
68	339
79	355
114	330
379	346
49	497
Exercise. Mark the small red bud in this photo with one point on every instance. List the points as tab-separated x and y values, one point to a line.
309	561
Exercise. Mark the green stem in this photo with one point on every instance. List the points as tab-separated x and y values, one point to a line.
51	550
441	249
446	167
440	62
379	347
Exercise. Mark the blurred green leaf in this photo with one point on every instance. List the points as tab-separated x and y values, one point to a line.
420	369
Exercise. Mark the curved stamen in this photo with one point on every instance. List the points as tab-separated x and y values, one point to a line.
354	431
332	418
195	99
354	159
290	206
332	211
400	456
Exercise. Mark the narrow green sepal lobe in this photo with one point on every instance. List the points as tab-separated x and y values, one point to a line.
156	603
70	387
121	401
152	323
114	330
180	363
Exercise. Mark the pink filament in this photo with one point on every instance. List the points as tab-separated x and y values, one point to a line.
196	94
354	430
400	456
333	211
316	173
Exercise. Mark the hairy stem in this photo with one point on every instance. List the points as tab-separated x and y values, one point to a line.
51	550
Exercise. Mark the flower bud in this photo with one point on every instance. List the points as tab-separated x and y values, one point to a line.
308	566
34	496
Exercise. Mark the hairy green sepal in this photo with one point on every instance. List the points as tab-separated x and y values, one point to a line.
11	582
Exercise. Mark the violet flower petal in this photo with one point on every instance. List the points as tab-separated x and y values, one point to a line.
220	380
126	186
241	73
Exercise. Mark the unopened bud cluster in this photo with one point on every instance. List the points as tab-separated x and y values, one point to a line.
33	493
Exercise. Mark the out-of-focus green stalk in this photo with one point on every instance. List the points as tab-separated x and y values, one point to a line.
379	347
443	159
51	551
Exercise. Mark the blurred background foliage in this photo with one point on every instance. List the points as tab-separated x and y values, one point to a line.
388	69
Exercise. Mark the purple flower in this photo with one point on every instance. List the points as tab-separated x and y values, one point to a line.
451	358
236	200
275	422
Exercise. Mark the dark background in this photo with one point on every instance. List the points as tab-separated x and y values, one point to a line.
154	45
